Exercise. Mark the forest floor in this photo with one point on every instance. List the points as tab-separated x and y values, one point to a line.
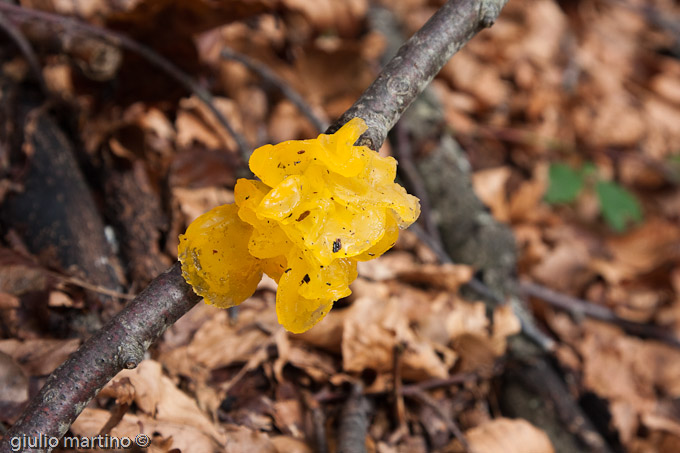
568	112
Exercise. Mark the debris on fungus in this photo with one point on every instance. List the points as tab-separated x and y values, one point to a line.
320	206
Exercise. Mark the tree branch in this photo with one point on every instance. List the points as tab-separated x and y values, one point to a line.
450	424
270	77
354	421
25	47
120	344
416	64
579	307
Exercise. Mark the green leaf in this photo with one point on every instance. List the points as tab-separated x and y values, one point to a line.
618	205
674	165
589	169
565	183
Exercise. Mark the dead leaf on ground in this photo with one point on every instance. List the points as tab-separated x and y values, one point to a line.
13	388
39	357
490	187
503	435
374	328
179	436
159	398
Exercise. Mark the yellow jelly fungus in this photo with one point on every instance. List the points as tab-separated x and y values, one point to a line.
215	258
320	206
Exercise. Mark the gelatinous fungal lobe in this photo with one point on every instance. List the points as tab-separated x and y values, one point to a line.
320	206
215	259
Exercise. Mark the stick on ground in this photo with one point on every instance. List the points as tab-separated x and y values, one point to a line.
25	47
269	76
354	421
120	344
583	307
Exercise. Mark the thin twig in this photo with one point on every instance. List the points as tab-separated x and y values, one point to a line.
529	327
26	49
407	390
548	386
75	281
398	397
431	243
437	248
415	181
269	76
20	14
454	379
397	394
318	422
584	307
451	425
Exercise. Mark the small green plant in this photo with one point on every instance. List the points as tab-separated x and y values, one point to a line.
674	165
618	206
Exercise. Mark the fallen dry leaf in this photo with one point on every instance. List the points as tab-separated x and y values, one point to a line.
19	275
182	437
157	396
195	202
195	124
566	267
8	301
490	188
656	242
13	388
373	329
329	14
448	277
287	444
503	435
287	123
41	356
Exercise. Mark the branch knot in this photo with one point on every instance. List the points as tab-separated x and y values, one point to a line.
130	355
489	11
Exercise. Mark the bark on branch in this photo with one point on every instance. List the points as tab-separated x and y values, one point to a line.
122	342
416	64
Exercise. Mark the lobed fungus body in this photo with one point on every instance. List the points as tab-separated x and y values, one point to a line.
320	206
